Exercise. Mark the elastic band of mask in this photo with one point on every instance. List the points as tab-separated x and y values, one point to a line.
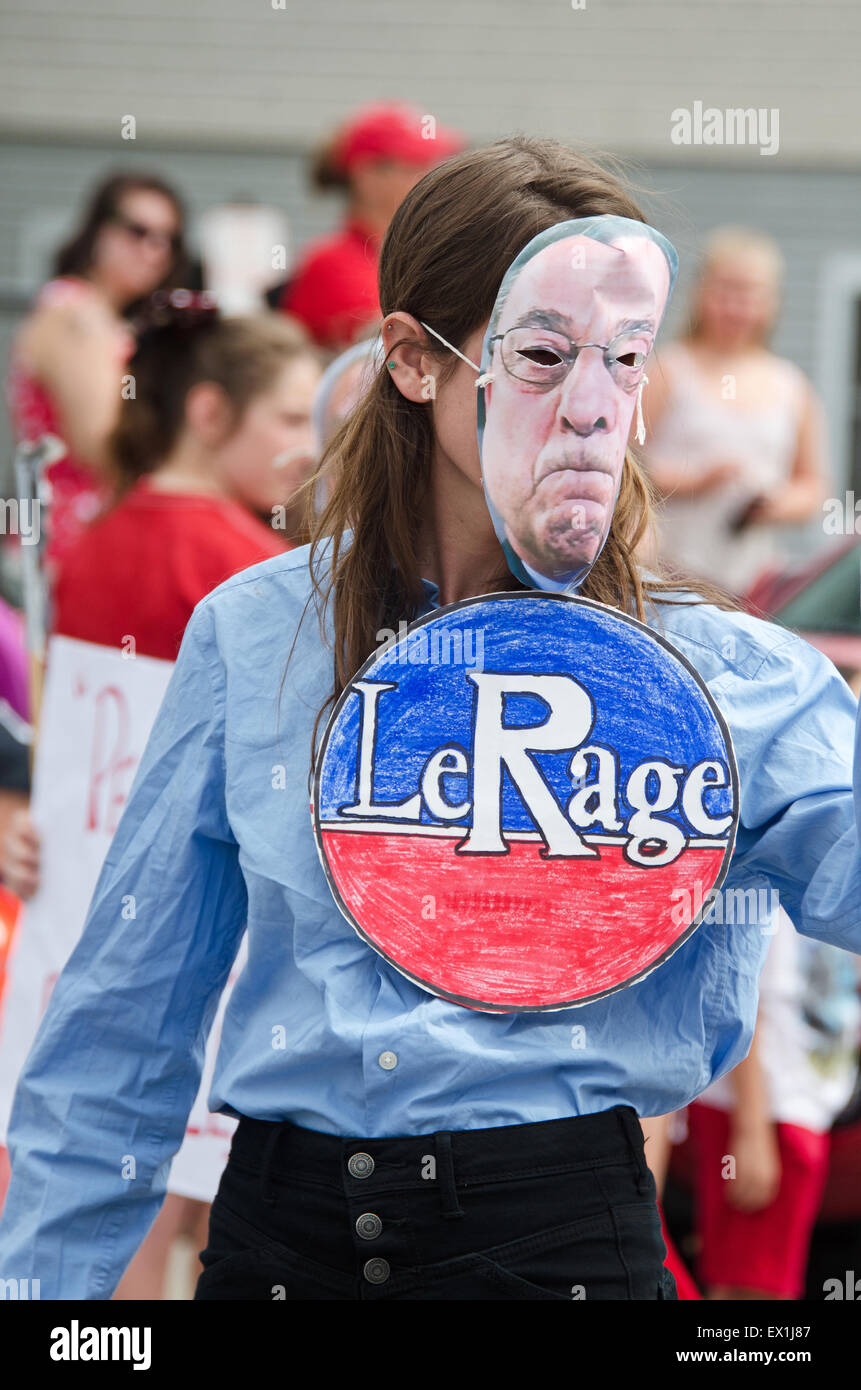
483	377
641	426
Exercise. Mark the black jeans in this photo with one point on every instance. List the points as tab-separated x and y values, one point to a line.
563	1209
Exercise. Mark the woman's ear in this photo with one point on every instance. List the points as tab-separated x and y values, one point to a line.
209	412
409	364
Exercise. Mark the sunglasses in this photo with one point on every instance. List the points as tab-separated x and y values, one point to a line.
141	233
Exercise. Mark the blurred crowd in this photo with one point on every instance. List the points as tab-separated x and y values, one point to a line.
173	412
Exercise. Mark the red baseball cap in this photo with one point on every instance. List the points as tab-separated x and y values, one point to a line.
394	130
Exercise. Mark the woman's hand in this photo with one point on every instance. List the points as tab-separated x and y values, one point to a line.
757	1168
19	855
793	504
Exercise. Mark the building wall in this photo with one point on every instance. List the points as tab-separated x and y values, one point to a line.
605	72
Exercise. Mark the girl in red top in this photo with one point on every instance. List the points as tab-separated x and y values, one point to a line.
209	453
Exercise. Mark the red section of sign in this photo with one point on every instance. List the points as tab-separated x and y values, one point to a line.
475	927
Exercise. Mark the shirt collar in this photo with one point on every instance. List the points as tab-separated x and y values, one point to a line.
431	596
543	581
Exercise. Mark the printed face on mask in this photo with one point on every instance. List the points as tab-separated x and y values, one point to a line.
566	350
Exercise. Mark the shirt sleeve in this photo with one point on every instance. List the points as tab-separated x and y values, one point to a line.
103	1099
796	730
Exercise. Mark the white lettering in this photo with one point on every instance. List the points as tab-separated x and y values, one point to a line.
498	747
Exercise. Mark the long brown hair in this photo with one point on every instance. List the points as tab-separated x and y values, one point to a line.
443	259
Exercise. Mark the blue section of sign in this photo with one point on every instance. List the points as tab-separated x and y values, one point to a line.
646	704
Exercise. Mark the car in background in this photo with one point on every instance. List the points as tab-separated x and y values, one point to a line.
821	601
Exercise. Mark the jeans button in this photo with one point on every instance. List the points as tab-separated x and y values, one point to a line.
377	1271
369	1226
360	1165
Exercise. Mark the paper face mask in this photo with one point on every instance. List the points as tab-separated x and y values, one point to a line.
563	368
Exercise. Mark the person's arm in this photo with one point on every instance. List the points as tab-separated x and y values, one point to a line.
72	350
656	1141
752	1137
796	731
103	1099
801	497
19	845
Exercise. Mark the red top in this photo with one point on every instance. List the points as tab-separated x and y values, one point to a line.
76	493
334	290
139	570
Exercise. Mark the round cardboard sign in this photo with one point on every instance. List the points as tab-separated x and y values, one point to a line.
523	801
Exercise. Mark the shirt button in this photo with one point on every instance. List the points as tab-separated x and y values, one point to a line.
388	1060
377	1271
369	1225
360	1165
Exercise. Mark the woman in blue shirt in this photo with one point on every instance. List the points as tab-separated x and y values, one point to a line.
392	1144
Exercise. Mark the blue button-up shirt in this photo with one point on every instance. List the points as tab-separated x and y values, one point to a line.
320	1030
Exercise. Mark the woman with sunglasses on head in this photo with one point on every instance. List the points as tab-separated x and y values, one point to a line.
393	1144
70	353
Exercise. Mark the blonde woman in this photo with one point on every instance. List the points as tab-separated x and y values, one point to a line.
735	440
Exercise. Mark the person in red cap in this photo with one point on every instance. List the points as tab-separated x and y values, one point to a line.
376	156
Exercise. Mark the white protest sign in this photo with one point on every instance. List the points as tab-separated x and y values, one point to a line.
98	708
